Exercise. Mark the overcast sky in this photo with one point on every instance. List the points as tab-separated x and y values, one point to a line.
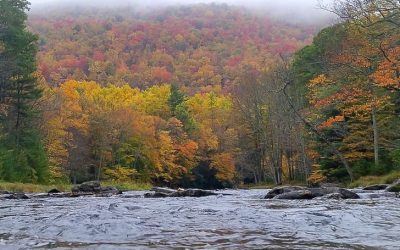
296	9
290	4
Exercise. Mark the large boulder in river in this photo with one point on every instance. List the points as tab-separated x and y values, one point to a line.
376	187
87	187
280	190
395	187
295	195
94	187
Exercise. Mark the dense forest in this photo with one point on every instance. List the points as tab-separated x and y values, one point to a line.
206	95
196	46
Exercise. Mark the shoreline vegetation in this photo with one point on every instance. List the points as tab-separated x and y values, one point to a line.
206	95
65	187
135	186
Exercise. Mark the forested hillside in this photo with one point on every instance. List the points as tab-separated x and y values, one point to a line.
206	95
148	95
195	46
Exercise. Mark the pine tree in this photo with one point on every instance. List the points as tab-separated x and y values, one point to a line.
22	157
176	98
176	103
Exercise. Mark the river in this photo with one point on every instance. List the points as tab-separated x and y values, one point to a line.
241	220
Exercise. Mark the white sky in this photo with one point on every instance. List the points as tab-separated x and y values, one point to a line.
291	4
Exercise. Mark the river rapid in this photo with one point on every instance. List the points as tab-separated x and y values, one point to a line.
240	220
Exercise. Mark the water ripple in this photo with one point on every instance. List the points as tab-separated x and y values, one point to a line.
237	221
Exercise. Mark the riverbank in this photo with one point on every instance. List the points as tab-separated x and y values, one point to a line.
372	180
360	182
33	188
64	187
133	186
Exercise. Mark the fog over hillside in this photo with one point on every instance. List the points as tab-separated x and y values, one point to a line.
291	10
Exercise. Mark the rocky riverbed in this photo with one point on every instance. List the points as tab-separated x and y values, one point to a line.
240	219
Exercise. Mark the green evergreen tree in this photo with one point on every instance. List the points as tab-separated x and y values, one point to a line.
176	103
22	155
176	98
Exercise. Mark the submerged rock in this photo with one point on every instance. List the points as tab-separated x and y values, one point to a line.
163	190
395	187
376	187
155	195
17	196
166	192
332	196
377	195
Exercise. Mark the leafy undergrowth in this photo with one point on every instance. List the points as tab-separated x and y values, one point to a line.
371	180
37	188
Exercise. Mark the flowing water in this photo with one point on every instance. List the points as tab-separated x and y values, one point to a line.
241	220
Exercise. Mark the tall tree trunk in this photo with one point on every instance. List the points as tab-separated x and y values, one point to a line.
99	168
376	135
306	168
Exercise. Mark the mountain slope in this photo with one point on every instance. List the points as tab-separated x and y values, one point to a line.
196	46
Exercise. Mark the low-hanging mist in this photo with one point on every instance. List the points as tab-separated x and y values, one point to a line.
289	10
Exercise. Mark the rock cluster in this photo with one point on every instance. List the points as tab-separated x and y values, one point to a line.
167	192
304	193
93	188
17	196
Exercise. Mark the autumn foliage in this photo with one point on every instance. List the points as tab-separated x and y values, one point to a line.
205	95
195	46
351	71
123	133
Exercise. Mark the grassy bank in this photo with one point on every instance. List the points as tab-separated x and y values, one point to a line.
371	180
32	188
37	188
